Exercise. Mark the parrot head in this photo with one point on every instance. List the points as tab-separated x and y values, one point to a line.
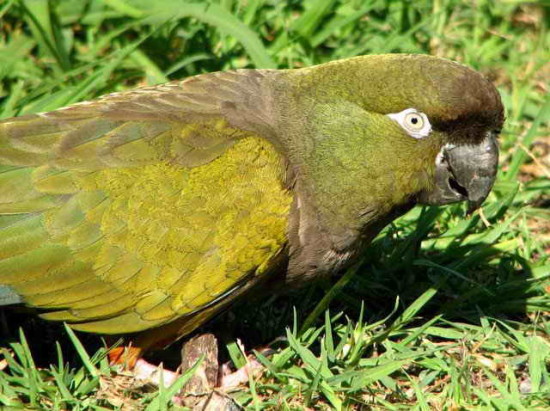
460	110
384	133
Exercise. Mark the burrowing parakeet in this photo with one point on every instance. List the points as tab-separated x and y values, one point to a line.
157	207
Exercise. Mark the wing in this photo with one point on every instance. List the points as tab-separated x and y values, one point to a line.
127	212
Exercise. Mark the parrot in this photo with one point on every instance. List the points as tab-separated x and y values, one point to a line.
149	211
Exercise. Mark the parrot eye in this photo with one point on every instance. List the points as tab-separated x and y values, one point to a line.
415	123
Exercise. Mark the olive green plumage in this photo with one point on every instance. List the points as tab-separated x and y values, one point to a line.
165	203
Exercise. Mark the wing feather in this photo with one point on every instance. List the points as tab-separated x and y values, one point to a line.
127	212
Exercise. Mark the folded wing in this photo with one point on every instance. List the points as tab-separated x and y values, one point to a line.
127	212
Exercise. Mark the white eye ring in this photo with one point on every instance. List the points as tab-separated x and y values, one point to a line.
414	122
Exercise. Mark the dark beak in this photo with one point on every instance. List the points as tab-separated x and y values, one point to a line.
464	172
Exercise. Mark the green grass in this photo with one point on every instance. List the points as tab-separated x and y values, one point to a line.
444	312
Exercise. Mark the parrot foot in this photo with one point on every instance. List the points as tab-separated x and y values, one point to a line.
231	380
153	374
128	357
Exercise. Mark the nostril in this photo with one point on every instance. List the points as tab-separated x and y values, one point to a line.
457	187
